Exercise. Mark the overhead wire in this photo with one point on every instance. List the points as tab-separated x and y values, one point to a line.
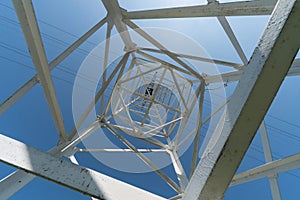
49	37
274	117
56	40
63	43
65	69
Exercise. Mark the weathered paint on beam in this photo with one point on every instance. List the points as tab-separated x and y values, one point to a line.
236	75
268	169
254	94
18	179
65	173
244	8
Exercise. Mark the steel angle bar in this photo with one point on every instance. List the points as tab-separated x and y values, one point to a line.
65	173
224	23
148	56
203	59
106	54
198	129
114	14
275	191
243	8
121	150
178	168
98	95
268	169
117	80
18	179
34	80
161	47
168	180
28	22
236	75
249	103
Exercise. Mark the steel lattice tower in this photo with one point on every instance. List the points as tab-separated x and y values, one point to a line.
151	101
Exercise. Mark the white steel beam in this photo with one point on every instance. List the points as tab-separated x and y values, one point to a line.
65	173
121	150
108	104
144	158
178	168
114	14
269	158
195	154
18	179
249	103
121	65
74	160
150	39
236	75
10	101
225	77
243	8
203	59
268	169
14	182
228	30
295	69
105	62
26	16
156	59
226	26
34	80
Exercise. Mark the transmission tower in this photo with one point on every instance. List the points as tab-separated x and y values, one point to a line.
147	112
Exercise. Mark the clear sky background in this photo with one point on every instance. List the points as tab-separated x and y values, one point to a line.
61	23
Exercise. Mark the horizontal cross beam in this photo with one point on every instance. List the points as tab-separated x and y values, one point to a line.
65	173
243	8
249	103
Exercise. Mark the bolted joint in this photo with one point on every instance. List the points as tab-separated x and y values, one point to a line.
131	48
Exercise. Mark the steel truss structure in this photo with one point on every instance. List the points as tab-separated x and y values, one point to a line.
141	80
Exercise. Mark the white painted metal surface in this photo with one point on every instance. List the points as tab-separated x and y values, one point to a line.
97	96
115	15
260	81
26	16
268	169
269	158
67	174
226	26
34	80
18	179
256	7
236	75
266	70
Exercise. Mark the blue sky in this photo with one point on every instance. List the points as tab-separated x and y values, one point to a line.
61	23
